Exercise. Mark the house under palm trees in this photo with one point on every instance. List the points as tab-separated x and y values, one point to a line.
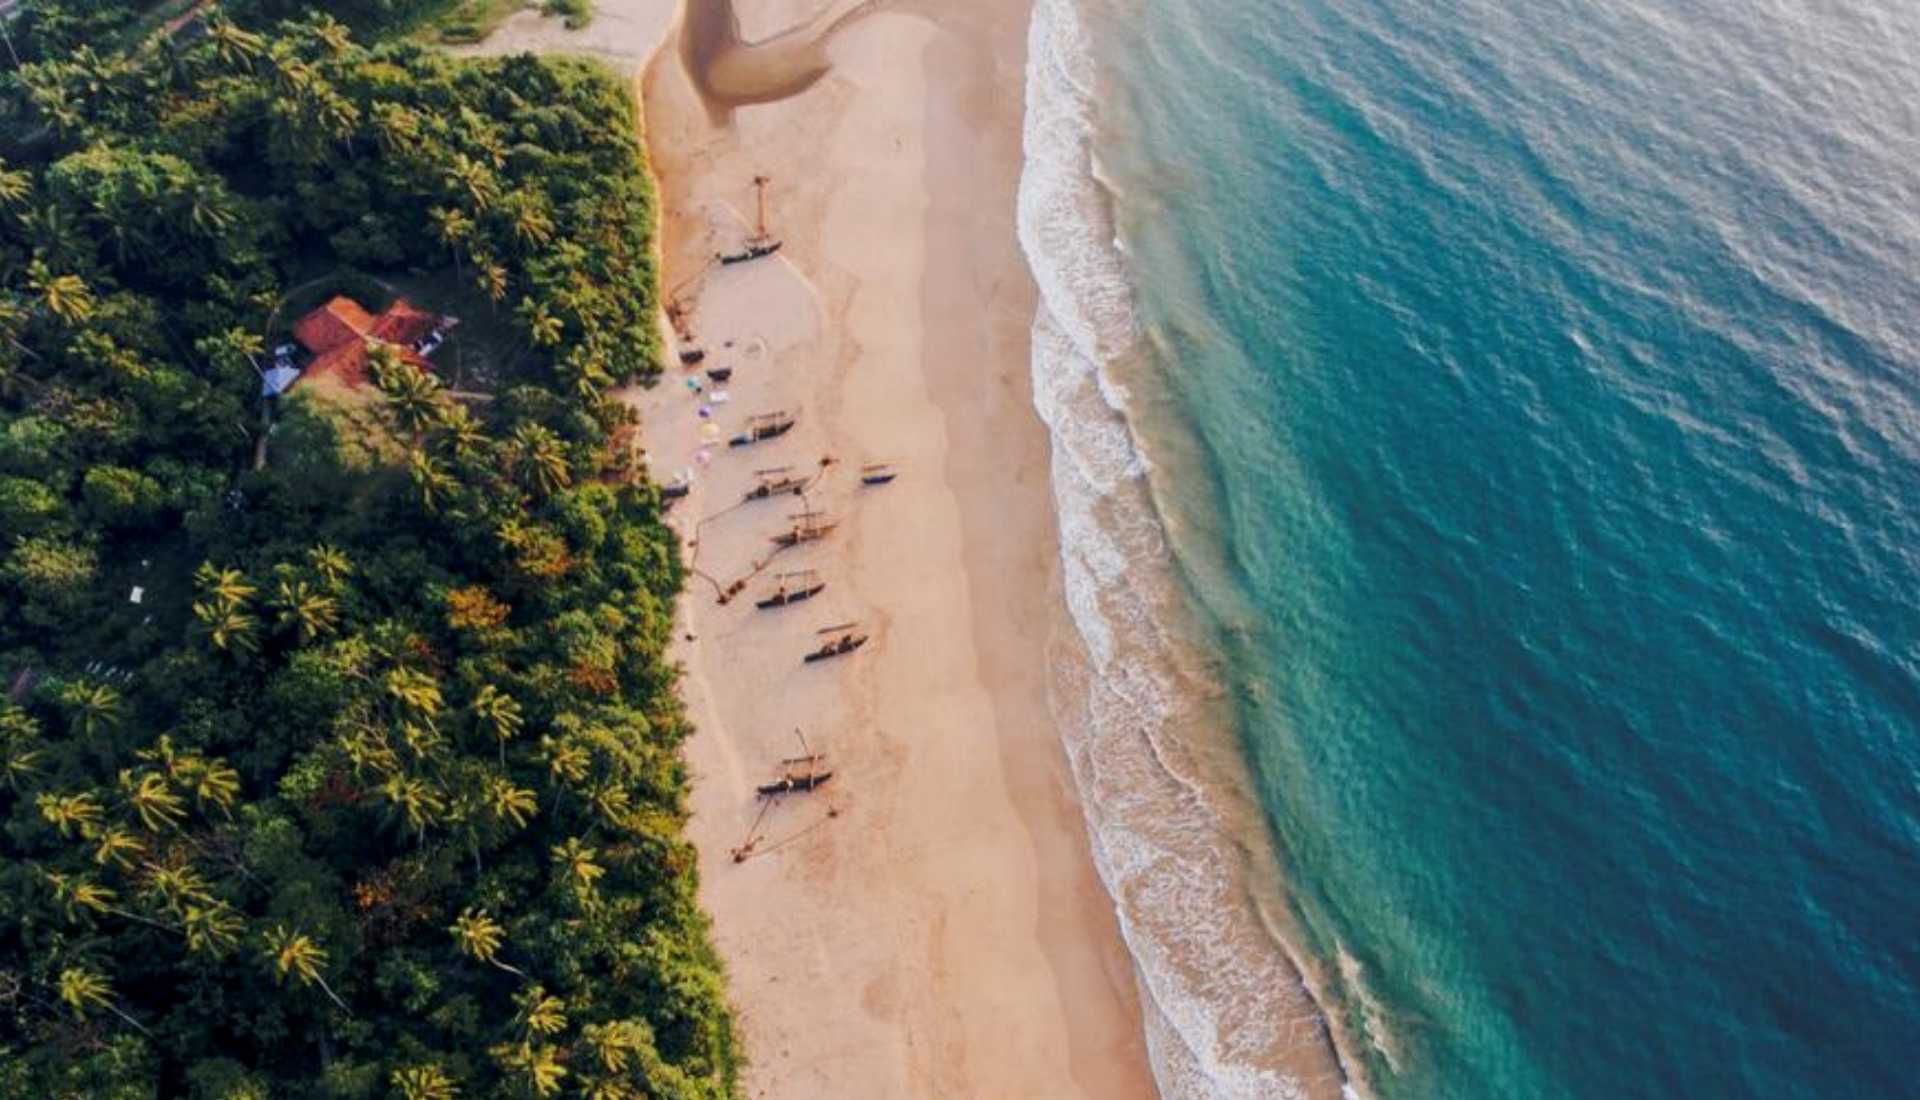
341	333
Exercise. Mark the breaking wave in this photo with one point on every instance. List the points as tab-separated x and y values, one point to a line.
1174	829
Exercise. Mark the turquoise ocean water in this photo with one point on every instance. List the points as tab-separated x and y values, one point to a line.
1531	396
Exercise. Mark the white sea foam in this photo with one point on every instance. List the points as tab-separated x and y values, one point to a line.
1224	1005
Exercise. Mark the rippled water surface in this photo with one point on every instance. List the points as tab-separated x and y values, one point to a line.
1553	369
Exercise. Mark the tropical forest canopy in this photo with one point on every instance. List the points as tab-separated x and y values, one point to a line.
371	789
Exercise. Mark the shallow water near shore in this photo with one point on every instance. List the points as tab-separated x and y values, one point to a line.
1531	396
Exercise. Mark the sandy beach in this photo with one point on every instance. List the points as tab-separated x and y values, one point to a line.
930	922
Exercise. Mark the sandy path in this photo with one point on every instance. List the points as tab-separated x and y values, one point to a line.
930	924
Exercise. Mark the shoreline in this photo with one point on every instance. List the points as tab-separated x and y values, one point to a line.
937	903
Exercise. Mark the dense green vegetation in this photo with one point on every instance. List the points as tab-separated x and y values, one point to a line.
51	28
375	791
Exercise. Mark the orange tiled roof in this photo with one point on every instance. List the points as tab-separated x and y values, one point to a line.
340	321
337	335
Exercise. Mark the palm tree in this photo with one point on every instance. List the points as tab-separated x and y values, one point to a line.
226	587
510	803
152	800
328	32
310	613
76	894
84	990
177	887
537	1013
70	813
481	937
294	953
428	1082
328	561
578	867
418	802
66	297
539	1064
613	1043
543	328
235	47
412	394
499	713
96	707
229	629
539	459
117	846
474	180
214	929
210	781
16	186
415	692
430	479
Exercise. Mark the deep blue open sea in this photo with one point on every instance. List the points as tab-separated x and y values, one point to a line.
1553	373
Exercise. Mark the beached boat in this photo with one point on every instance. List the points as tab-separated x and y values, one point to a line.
762	242
774	482
793	588
719	374
805	781
807	527
763	427
878	473
849	639
805	772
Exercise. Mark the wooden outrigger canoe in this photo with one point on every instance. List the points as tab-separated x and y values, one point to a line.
774	482
807	587
848	641
765	426
806	528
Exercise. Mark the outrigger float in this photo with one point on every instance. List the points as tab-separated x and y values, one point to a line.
764	426
796	587
849	639
762	242
807	527
775	481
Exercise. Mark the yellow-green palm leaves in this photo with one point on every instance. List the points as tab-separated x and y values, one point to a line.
294	954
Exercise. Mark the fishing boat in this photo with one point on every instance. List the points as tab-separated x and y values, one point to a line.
719	374
878	473
793	588
848	640
805	772
774	482
762	242
763	427
693	356
807	527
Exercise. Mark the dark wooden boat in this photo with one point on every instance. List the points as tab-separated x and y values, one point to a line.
762	242
806	781
846	643
774	482
675	491
784	595
753	251
692	356
763	427
804	532
719	374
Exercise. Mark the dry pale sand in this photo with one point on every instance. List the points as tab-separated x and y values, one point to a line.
929	925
